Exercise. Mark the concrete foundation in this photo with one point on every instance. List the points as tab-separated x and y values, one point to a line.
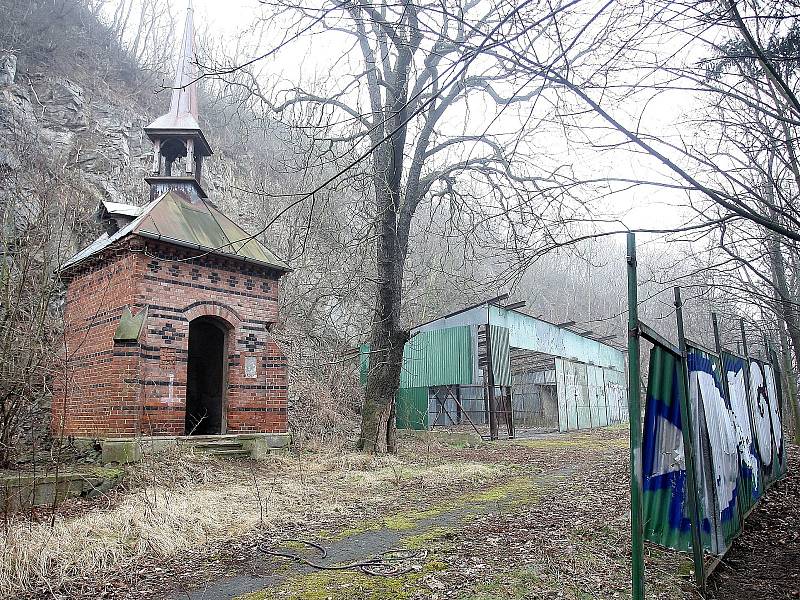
20	492
461	439
256	446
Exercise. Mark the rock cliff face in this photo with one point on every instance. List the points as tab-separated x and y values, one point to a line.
71	117
90	139
72	111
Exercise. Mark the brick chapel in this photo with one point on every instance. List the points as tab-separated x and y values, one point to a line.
168	313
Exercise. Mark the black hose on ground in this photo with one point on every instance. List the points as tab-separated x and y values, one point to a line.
385	564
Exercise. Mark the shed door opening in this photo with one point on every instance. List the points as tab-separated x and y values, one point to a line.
205	378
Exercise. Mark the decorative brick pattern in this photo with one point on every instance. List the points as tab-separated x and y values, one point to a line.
114	389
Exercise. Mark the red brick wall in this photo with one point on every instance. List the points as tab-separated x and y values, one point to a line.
93	390
152	372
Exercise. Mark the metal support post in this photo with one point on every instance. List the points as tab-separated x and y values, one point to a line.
688	451
493	428
635	417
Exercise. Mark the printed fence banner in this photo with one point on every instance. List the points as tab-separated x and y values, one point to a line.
667	520
737	445
750	471
716	447
766	416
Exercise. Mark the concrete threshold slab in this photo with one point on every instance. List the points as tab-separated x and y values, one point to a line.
132	449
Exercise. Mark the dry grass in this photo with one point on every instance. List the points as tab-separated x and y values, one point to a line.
181	503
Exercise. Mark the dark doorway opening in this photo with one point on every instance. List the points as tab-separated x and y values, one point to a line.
205	377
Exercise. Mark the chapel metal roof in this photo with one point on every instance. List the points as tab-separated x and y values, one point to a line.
174	218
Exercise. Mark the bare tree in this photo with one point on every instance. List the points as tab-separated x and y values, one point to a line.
414	102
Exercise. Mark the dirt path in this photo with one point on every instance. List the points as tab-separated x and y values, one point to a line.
426	532
555	526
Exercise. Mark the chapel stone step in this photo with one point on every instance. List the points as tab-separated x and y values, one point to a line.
228	446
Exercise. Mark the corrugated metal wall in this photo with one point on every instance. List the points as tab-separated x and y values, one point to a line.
441	357
412	408
501	362
589	396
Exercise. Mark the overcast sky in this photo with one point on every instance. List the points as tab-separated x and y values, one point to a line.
229	20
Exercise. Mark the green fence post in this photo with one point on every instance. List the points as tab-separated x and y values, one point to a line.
635	417
688	451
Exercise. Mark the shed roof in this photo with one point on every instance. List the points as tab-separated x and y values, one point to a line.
175	219
532	333
121	209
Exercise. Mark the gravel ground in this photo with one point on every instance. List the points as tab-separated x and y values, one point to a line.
764	561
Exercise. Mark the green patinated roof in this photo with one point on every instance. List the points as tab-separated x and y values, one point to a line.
174	218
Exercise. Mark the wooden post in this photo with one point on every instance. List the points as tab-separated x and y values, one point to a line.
493	429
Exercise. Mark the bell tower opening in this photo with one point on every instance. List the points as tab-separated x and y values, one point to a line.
205	377
171	149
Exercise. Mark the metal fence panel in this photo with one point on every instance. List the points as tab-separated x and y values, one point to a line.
715	437
666	513
749	465
412	408
737	439
765	404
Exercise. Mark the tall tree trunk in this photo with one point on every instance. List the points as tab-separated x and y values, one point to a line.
790	380
787	312
388	338
377	417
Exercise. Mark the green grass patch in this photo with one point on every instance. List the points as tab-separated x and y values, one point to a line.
517	491
348	585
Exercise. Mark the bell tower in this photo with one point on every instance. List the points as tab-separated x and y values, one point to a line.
179	145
